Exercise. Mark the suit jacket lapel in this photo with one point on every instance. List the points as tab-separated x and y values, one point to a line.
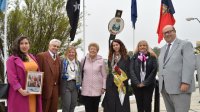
49	60
172	50
162	53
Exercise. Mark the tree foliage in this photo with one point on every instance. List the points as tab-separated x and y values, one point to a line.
41	20
156	50
197	50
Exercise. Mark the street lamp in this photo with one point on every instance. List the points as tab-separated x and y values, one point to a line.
189	19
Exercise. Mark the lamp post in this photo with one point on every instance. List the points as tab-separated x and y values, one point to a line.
191	18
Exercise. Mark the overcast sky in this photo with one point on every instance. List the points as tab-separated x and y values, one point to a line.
102	11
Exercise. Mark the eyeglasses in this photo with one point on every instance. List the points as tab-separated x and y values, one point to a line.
168	32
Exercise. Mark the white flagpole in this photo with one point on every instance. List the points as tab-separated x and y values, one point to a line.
84	27
5	41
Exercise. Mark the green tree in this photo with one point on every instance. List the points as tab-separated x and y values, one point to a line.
41	20
130	54
156	50
197	50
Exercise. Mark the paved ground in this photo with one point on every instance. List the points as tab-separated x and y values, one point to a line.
194	107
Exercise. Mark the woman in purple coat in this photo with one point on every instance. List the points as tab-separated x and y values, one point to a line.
18	64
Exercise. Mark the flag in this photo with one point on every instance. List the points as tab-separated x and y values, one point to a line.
166	17
2	5
73	9
134	12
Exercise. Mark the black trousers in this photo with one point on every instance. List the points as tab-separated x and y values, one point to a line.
91	103
144	98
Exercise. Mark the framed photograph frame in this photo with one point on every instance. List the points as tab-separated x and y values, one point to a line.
34	82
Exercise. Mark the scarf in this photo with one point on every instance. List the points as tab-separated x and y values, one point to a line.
118	74
143	58
65	75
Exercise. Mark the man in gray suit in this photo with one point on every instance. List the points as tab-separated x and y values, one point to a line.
176	71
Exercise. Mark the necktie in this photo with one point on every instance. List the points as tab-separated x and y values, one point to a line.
166	53
54	56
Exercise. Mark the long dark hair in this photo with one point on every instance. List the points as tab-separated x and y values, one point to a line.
122	50
16	48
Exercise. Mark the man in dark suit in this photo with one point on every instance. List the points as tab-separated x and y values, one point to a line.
49	63
176	71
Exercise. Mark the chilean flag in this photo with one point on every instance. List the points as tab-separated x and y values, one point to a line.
166	17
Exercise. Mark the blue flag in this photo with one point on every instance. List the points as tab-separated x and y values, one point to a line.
2	5
134	12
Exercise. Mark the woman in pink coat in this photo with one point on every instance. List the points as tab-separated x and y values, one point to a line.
94	78
18	64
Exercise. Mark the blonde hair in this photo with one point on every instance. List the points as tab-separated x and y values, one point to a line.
69	48
93	44
152	53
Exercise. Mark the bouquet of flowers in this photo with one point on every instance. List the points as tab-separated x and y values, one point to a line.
119	77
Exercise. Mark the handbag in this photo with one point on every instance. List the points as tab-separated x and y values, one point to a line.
4	90
80	97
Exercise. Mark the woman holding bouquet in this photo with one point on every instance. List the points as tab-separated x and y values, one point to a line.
116	97
143	69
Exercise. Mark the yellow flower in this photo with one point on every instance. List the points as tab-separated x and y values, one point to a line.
119	78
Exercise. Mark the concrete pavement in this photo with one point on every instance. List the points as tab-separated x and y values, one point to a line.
194	107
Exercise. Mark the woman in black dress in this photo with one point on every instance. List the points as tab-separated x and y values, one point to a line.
116	97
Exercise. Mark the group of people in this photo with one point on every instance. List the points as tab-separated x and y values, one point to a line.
67	76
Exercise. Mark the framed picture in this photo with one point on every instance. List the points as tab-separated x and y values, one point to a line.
34	82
